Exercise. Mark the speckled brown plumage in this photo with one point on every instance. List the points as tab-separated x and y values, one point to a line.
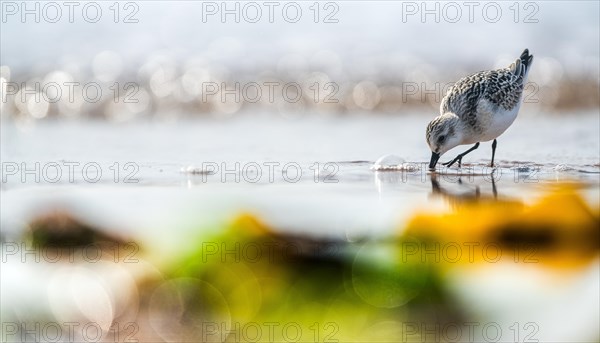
503	88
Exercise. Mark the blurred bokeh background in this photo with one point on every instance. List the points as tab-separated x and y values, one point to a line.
388	57
238	171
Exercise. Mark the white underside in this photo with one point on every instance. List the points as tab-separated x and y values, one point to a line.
494	123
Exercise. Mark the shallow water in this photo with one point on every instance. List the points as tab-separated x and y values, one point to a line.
309	174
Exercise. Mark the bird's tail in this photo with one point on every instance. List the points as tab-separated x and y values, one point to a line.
521	66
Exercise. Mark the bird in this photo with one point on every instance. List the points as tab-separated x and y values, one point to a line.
478	108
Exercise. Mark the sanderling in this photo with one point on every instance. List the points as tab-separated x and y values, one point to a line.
478	108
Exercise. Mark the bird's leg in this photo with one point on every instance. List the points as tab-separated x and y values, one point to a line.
460	156
493	152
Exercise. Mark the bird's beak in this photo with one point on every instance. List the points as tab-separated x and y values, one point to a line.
434	158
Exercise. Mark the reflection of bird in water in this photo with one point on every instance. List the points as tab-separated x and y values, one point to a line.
457	198
478	108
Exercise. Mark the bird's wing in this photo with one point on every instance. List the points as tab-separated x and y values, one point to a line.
505	86
502	87
462	98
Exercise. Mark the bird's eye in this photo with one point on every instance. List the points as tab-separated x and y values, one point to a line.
441	138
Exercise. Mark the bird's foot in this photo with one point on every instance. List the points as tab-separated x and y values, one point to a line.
456	159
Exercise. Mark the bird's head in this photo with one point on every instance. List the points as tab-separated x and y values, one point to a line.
443	133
